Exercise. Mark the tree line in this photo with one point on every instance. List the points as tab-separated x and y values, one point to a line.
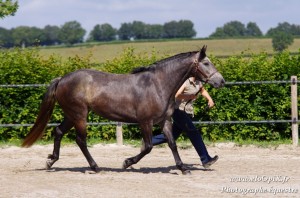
72	32
282	35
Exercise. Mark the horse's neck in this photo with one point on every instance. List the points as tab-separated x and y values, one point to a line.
175	75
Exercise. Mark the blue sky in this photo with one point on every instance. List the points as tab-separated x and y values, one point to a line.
205	15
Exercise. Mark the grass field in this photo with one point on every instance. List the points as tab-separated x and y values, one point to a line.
100	52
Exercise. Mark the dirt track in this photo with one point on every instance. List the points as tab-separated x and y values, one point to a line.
239	169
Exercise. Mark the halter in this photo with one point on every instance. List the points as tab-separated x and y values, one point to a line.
207	78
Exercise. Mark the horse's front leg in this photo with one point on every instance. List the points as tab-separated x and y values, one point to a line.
146	129
167	129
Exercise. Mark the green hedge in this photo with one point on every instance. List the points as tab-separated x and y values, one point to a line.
252	102
20	105
243	102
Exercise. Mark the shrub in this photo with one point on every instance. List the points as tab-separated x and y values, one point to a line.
252	102
243	102
20	105
281	40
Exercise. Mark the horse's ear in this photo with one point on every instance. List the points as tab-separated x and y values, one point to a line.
202	53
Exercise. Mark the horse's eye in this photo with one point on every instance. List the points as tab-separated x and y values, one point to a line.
206	64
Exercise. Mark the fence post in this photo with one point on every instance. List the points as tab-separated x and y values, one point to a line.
119	133
294	106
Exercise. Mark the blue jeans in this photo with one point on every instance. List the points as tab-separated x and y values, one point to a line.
183	122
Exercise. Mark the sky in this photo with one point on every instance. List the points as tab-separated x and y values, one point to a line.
205	15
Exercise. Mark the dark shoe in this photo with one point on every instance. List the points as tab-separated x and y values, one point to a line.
210	162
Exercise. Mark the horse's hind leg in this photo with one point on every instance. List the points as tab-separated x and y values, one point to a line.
59	132
81	134
146	129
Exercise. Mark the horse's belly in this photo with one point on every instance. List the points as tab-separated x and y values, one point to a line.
116	113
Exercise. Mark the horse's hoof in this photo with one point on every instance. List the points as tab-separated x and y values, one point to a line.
96	169
125	165
48	165
186	172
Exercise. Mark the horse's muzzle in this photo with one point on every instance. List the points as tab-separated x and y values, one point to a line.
217	80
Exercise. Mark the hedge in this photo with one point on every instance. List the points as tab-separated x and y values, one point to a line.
243	102
253	102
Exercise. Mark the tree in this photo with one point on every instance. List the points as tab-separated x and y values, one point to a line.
27	36
51	35
170	29
5	38
71	33
155	31
234	29
284	27
253	30
95	34
104	32
186	29
281	40
237	29
125	31
138	30
8	8
181	29
219	33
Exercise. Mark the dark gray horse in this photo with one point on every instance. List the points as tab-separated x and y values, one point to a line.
145	97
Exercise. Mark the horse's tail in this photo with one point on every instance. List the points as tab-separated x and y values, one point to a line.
43	117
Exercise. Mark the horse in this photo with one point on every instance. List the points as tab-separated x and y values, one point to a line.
146	97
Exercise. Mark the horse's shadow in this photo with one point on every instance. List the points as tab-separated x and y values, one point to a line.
143	170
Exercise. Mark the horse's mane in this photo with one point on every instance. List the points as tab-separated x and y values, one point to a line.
161	62
142	69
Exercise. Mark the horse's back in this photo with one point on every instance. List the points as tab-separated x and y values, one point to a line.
106	94
82	83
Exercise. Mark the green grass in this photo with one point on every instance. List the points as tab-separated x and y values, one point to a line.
100	52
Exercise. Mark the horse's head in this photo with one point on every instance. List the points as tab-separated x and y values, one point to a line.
205	71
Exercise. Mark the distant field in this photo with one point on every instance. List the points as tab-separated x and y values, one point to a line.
102	52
